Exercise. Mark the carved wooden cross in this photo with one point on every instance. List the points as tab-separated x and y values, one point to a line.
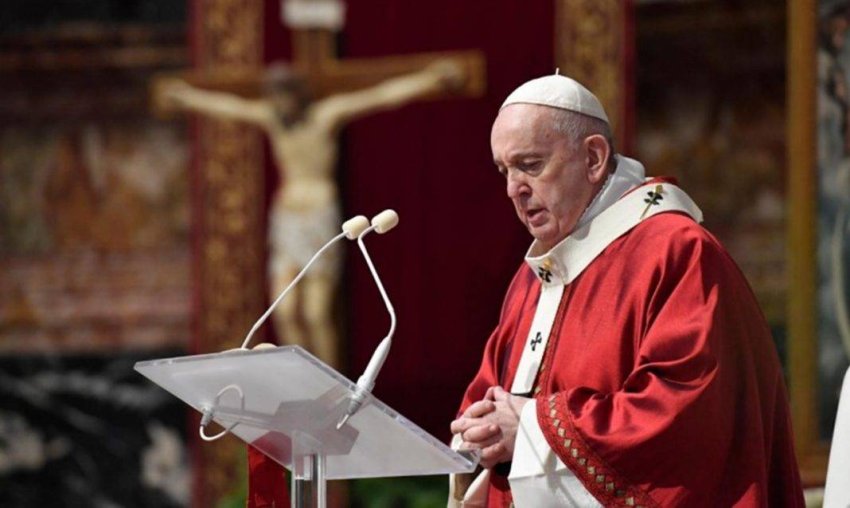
314	59
313	24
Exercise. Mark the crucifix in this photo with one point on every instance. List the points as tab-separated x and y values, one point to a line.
314	25
302	109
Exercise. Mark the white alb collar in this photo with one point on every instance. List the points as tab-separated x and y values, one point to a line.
628	175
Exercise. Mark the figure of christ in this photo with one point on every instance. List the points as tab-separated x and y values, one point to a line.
304	212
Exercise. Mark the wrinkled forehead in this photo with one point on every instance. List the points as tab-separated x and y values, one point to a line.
526	120
524	129
525	115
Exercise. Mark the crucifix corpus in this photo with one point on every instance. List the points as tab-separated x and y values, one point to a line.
302	107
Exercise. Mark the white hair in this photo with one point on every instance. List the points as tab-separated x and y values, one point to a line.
577	126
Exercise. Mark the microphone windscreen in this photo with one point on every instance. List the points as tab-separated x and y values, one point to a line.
385	221
354	226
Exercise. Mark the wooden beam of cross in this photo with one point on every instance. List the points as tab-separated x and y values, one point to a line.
314	60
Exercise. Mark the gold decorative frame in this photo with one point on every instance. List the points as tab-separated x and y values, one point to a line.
228	197
593	44
812	452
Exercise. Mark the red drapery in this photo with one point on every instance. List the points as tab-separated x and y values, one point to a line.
446	267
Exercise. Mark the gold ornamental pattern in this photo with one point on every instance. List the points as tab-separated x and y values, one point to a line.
589	47
230	251
229	206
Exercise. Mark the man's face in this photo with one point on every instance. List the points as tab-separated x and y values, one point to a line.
286	103
546	173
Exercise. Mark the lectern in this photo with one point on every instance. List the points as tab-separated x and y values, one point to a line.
286	403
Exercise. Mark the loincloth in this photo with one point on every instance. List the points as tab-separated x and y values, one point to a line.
295	236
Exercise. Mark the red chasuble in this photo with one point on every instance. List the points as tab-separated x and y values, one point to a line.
660	385
267	486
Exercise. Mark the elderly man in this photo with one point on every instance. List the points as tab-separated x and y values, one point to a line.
631	365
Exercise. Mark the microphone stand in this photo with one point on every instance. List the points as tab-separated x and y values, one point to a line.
381	223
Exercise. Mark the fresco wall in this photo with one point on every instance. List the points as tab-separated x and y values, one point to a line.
711	112
94	256
833	205
720	128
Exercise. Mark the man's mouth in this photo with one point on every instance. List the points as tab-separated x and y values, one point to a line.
535	216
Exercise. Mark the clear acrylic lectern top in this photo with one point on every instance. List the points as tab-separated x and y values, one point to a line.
285	398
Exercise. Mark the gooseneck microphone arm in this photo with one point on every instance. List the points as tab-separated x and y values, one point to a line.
351	229
381	223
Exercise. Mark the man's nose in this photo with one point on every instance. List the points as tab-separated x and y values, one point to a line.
517	184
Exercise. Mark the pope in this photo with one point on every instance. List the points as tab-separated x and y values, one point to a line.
631	364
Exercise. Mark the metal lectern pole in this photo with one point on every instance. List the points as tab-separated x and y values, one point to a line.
319	481
309	483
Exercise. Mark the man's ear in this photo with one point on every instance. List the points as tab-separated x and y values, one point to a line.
597	153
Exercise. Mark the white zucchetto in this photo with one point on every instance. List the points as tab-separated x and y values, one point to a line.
558	92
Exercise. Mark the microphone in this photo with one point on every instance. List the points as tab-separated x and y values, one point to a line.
354	226
381	223
352	229
384	221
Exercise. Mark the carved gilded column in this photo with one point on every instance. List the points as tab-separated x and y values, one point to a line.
228	205
594	43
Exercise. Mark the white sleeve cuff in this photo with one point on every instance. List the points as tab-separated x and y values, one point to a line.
474	493
538	477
